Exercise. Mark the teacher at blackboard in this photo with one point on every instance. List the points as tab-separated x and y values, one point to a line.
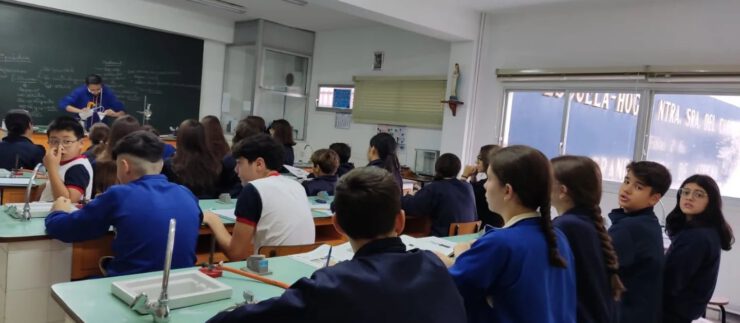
92	102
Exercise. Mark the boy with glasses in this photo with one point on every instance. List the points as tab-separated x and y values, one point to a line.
70	173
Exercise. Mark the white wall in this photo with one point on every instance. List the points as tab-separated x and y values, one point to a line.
606	35
146	14
339	55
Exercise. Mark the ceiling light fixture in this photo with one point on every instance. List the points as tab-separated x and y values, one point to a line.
221	4
301	3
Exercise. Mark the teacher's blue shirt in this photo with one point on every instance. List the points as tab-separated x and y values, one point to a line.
81	98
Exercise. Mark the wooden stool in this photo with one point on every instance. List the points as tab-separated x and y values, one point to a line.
720	302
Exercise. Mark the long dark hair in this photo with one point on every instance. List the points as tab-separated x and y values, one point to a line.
386	146
104	173
528	172
484	155
248	127
582	176
215	136
194	164
712	215
283	132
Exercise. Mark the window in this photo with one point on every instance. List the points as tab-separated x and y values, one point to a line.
697	134
408	101
337	98
601	125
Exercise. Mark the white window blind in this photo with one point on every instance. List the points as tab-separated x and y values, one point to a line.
409	101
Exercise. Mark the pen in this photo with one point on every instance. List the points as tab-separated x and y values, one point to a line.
328	257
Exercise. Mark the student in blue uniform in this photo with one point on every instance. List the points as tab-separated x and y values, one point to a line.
345	152
382	283
636	236
194	165
698	232
382	153
139	210
576	195
476	175
17	151
523	272
95	96
282	131
325	164
446	200
70	173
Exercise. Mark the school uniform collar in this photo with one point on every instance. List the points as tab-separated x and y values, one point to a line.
152	177
520	217
377	162
64	162
16	138
328	178
618	214
384	245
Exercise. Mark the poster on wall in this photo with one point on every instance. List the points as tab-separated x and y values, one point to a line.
398	132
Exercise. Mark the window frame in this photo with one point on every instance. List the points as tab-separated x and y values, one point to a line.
647	92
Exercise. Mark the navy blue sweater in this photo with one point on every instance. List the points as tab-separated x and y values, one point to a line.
322	183
382	283
593	284
444	201
481	205
289	157
140	212
21	148
638	240
691	268
396	174
344	168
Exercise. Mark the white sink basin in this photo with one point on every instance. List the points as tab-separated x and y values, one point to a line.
184	289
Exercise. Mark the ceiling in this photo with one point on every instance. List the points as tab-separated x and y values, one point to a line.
309	17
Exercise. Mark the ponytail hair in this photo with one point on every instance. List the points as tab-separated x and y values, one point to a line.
582	177
528	172
386	146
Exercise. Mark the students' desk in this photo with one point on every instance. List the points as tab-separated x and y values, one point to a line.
16	192
92	301
85	255
30	262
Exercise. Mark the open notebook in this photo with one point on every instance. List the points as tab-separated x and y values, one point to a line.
317	257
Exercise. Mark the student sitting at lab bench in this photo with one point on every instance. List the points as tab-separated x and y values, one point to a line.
382	283
17	150
325	163
446	200
139	210
70	173
271	210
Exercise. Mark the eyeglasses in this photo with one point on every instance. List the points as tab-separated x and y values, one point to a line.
685	192
65	143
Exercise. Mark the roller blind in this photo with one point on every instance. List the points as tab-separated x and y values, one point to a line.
409	101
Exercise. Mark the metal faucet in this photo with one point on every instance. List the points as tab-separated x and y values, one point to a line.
27	206
160	309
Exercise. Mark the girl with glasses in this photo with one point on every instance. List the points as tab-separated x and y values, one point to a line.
698	231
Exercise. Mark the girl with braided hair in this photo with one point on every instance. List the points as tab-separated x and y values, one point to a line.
576	195
522	272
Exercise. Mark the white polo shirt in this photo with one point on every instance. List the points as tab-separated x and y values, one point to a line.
279	210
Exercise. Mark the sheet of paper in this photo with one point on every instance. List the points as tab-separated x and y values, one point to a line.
317	257
297	172
225	213
429	243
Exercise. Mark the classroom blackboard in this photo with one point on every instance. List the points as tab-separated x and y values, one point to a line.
44	55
